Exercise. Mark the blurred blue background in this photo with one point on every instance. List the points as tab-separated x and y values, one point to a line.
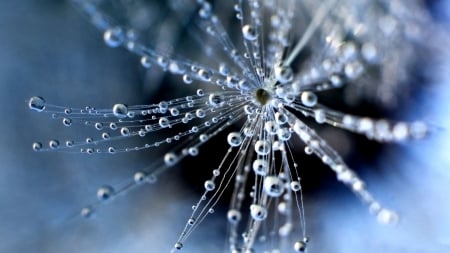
48	49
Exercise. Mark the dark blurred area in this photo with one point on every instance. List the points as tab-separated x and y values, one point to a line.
49	49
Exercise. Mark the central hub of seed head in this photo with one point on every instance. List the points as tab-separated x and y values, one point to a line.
262	96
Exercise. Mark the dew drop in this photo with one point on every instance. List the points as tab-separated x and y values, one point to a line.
178	245
170	158
283	74
224	69
113	126
249	32
205	75
105	192
37	146
53	144
69	143
187	79
124	131
111	150
262	147
98	126
200	92
271	127
234	139
146	61
273	186
139	177
319	116
233	216
114	37
258	212
308	98
120	110
174	111
209	185
284	134
300	246
193	151
67	121
36	104
387	217
86	212
216	100
200	113
295	186
260	167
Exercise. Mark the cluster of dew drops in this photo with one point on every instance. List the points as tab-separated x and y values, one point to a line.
254	98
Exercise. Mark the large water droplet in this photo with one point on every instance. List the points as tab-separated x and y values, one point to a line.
36	103
249	32
234	139
120	110
273	186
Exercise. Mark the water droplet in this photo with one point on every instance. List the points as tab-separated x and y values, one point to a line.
271	127
205	11
37	146
139	177
260	167
320	116
209	185
262	147
53	144
233	216
174	111
170	158
234	139
146	61
353	70
224	69
193	151
105	192
200	92
258	212
114	37
98	126
249	32
387	217
280	118
69	143
120	110
284	134
187	79
111	150
86	212
113	126
273	186
300	246
308	98
124	131
36	103
283	74
178	245
216	100
205	75
295	186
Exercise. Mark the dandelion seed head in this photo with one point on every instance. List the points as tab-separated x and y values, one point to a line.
266	87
